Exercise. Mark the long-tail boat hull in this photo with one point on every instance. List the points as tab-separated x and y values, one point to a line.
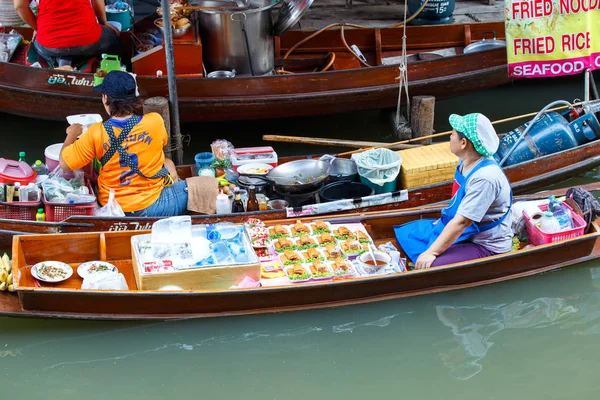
54	94
66	300
525	177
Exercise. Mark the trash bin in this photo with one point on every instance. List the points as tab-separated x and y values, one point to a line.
378	169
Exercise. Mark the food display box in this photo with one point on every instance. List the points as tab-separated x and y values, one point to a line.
246	155
427	165
213	277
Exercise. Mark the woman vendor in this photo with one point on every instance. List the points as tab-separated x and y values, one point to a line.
74	28
476	222
130	149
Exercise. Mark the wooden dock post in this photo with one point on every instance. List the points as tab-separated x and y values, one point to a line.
161	105
421	117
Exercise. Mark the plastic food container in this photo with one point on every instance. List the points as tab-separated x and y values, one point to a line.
12	171
289	267
248	155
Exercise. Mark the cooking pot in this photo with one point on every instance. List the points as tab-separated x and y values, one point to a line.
298	176
485	44
342	169
239	38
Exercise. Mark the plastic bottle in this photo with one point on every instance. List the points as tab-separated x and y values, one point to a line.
220	253
41	215
549	223
223	204
252	204
22	156
561	213
39	167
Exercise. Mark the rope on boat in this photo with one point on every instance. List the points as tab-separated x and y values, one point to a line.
403	79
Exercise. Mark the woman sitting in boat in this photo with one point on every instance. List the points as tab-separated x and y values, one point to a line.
74	28
476	222
130	149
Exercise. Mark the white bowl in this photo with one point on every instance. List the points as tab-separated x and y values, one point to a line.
366	261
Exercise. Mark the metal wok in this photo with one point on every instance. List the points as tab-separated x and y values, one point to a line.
299	176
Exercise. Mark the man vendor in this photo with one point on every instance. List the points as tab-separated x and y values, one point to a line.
130	149
476	222
74	28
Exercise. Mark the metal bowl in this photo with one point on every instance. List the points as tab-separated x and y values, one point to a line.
177	33
221	74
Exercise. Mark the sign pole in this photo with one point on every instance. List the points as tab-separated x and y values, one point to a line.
586	88
172	81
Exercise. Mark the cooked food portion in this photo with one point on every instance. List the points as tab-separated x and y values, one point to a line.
305	242
342	266
320	227
278	231
362	237
312	254
343	233
353	246
300	229
290	257
325	239
283	244
332	251
297	273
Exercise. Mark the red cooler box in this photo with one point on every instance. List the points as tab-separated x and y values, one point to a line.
247	155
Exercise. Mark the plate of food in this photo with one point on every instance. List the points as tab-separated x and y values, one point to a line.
343	268
313	254
320	271
51	271
343	233
305	242
282	244
290	257
279	231
254	169
297	274
332	252
353	247
300	229
319	227
325	239
95	267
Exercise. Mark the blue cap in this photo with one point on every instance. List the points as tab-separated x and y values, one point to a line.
117	85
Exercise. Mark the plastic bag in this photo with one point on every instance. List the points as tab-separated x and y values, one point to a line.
378	165
111	208
105	281
57	187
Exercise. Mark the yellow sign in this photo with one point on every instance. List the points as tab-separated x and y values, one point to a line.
552	37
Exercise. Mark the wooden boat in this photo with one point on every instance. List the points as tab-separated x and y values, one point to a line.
343	87
525	177
67	300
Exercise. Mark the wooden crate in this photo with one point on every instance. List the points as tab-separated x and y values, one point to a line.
427	165
202	278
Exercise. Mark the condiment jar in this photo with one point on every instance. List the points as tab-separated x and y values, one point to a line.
223	204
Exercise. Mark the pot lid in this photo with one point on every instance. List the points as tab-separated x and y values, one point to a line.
249	181
484	45
290	13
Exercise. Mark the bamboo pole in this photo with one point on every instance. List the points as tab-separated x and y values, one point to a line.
332	142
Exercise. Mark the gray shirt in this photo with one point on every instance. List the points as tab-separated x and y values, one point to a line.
487	199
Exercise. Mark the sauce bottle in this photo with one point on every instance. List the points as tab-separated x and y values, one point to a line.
237	206
252	204
41	215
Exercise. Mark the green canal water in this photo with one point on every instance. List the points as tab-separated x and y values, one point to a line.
532	338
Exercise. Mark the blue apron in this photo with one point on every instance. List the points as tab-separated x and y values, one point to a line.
417	236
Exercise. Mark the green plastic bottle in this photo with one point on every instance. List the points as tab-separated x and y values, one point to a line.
41	215
22	156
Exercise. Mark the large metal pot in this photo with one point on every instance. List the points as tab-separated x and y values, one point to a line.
342	169
234	37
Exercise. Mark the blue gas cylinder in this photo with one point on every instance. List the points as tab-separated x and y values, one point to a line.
435	12
551	134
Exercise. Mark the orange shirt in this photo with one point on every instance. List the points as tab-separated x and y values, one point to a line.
144	146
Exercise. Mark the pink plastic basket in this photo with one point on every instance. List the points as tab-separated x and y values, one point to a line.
56	212
537	236
25	210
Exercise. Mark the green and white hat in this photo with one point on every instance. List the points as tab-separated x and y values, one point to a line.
479	130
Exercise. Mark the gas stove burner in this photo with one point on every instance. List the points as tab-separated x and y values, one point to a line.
299	199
